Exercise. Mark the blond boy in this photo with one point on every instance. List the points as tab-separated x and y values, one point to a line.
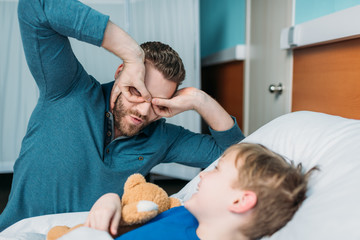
251	193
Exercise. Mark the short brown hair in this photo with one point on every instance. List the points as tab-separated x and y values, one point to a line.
166	60
280	187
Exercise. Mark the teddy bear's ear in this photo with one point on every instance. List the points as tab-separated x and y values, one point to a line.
134	180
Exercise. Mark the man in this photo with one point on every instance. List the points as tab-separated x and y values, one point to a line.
67	158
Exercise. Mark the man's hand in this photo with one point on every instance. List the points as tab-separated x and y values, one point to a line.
183	100
122	45
132	75
105	214
194	99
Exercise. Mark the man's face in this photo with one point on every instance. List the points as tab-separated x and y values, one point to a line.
131	117
215	190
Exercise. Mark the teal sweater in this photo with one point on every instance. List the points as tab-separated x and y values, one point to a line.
66	161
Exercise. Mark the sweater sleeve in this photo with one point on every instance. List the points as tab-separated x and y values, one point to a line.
200	150
45	26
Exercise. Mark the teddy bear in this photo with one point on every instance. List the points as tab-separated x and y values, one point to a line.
141	201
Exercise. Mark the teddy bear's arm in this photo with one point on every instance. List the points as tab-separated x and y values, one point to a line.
174	202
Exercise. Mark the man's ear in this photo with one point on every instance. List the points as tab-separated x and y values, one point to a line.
118	70
244	202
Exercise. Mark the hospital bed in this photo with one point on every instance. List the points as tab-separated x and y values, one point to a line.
331	209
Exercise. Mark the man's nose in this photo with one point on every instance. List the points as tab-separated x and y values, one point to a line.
145	108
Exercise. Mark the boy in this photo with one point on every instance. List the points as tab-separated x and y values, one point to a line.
251	193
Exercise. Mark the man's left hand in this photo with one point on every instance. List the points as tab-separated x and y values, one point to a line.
183	100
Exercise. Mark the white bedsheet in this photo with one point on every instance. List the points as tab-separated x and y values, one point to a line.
37	227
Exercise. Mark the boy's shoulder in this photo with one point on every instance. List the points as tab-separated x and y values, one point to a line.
175	223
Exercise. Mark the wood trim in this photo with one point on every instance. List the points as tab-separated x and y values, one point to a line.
224	82
326	79
328	42
235	53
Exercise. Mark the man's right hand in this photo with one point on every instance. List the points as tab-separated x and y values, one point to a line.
122	45
132	75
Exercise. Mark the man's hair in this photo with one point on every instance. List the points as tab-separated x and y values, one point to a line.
280	187
166	60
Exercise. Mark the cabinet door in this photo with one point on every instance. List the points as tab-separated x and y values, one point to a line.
266	64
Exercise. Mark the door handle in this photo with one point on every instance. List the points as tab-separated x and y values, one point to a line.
276	89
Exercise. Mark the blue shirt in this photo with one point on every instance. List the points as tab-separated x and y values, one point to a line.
67	160
175	224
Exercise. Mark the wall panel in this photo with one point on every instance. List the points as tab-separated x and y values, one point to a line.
327	78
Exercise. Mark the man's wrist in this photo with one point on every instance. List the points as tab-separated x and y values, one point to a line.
117	41
137	56
201	100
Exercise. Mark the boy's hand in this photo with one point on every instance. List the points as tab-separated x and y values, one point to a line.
183	100
105	214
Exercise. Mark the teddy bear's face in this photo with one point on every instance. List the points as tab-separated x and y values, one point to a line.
137	189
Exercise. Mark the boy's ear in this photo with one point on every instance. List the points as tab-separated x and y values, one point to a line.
118	70
244	202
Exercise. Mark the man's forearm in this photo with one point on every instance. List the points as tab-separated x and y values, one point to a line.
121	44
212	112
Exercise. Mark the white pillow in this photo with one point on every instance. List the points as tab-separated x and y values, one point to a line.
331	210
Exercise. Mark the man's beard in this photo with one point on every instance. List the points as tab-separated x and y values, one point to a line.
121	124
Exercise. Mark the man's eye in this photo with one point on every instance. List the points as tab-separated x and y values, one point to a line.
134	91
162	108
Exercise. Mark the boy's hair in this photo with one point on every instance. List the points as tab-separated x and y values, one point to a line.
280	187
166	60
